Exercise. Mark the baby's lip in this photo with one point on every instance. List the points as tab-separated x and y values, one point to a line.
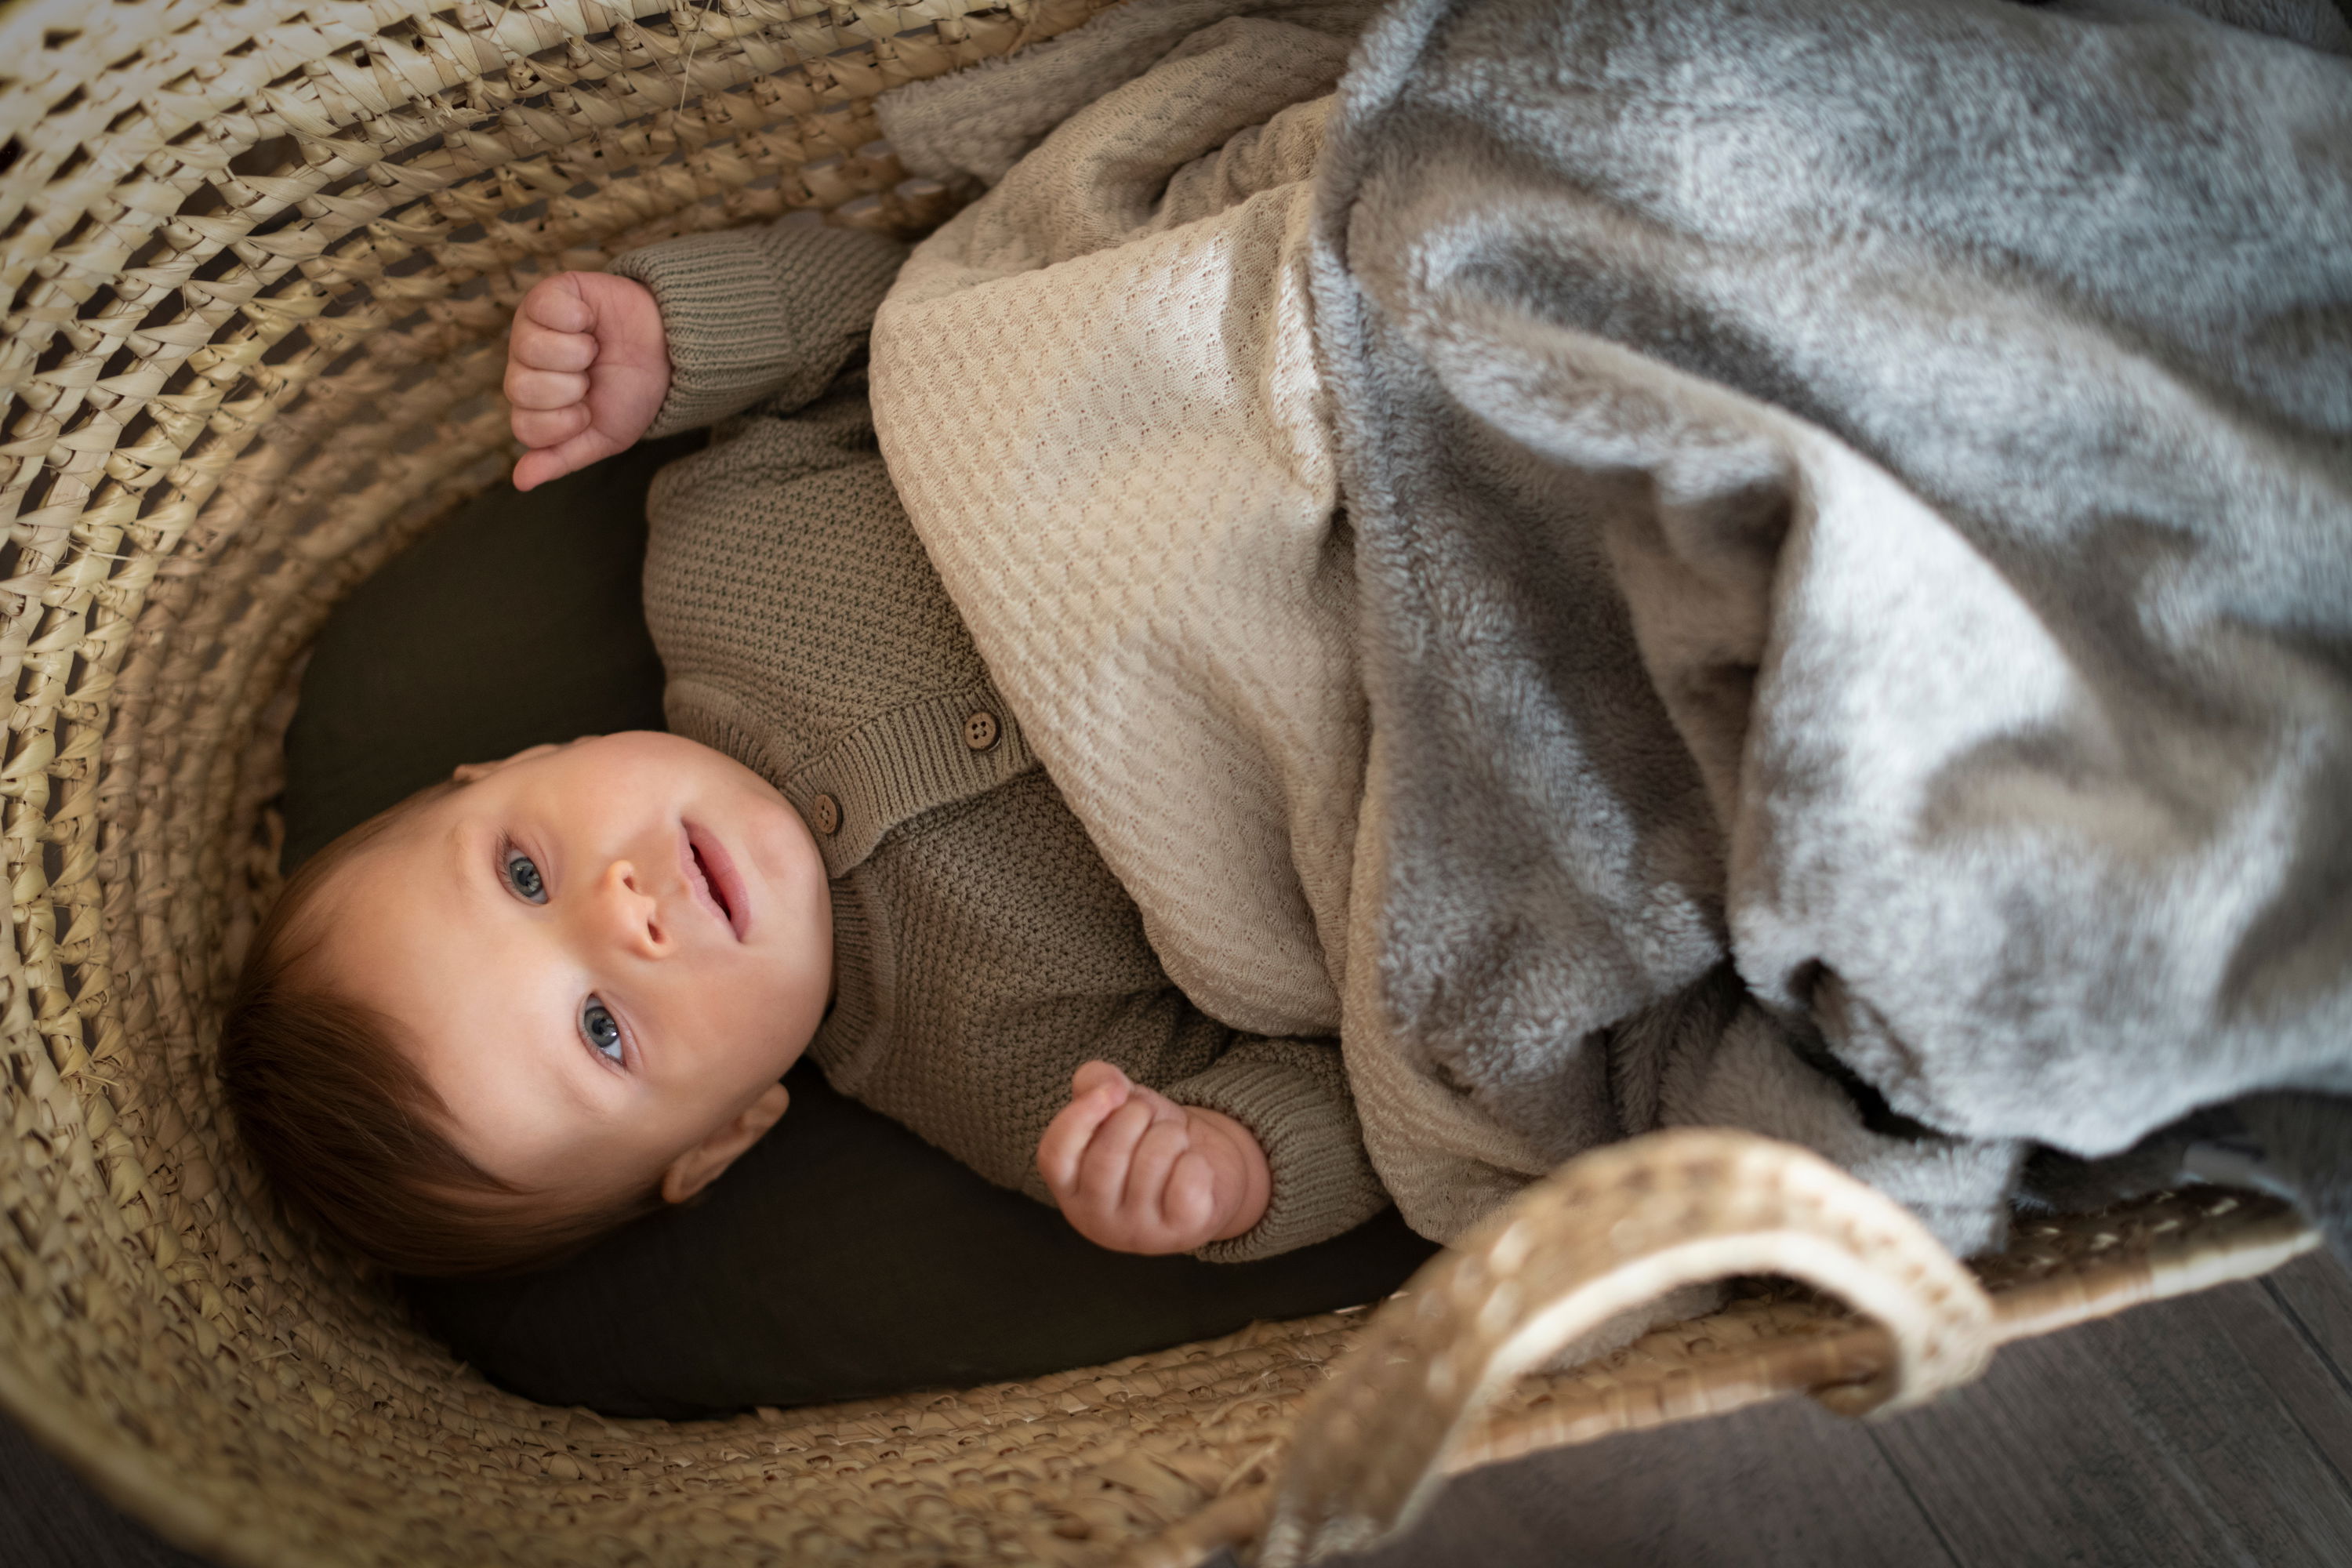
711	874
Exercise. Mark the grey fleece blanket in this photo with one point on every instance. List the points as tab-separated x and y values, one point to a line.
1853	504
1850	504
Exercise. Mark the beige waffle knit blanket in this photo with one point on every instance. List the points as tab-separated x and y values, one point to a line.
1097	393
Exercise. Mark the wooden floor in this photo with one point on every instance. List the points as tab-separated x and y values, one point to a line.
2212	1430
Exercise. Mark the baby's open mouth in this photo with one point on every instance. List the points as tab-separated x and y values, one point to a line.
714	878
718	894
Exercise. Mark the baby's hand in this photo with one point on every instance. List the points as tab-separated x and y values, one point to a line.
1136	1172
586	372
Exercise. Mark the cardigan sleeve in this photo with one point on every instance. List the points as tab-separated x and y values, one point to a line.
1293	1096
753	314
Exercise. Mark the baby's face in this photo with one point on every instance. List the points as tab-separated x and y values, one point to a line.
603	955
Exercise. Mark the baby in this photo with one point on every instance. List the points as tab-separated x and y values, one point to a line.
558	991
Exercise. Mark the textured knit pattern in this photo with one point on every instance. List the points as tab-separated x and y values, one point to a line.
1149	557
983	949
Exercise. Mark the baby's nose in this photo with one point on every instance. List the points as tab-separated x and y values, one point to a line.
630	911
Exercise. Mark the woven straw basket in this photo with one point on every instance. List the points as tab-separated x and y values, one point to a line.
259	258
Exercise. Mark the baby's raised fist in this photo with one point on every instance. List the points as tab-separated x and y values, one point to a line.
1135	1172
587	369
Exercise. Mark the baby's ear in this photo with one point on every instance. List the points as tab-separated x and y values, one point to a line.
466	773
703	1164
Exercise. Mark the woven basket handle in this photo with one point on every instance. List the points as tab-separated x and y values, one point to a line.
1606	1233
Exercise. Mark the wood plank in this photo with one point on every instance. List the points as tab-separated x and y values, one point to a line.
1785	1485
2165	1436
2317	1294
2291	1367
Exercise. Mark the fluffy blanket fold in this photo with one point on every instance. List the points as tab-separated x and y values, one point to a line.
1850	508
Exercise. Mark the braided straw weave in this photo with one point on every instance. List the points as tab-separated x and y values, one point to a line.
259	258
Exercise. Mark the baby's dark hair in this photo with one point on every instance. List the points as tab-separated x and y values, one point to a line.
347	1128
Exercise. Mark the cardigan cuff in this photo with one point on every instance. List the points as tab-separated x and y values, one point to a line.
1293	1096
750	314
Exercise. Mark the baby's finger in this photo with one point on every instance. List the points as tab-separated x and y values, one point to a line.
548	426
556	303
1156	1154
1065	1139
535	468
1188	1203
544	348
554	462
1102	1170
1093	1076
528	388
1162	1107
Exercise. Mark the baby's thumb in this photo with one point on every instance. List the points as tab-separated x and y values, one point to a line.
1095	1075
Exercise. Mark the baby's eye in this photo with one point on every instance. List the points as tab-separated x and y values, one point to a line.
601	1030
524	878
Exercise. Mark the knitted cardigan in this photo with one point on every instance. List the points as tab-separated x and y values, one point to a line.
983	949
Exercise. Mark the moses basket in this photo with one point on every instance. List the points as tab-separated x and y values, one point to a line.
260	256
